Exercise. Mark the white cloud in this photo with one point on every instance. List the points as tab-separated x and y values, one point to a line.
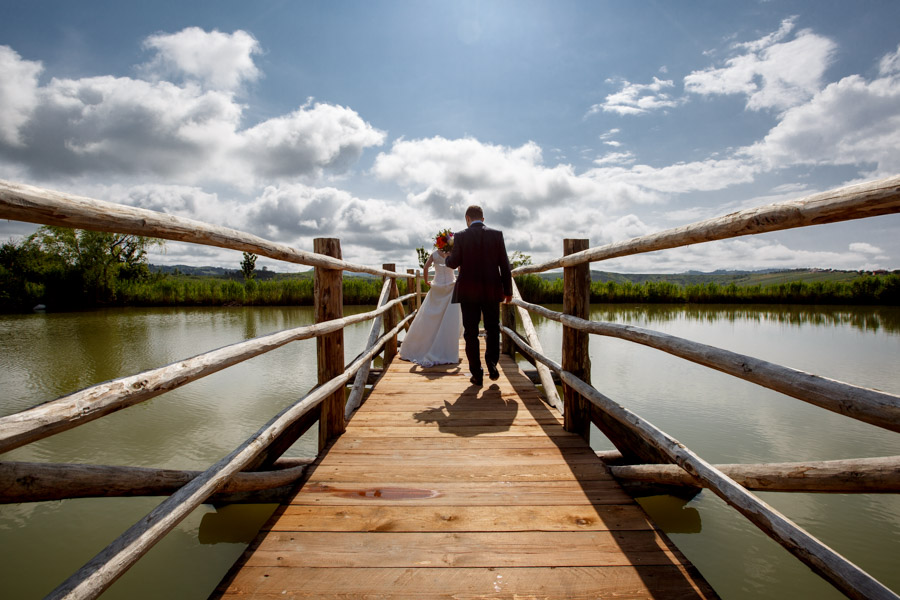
307	141
737	254
636	98
509	182
772	73
890	63
620	158
851	122
179	200
110	124
285	212
864	248
18	93
787	26
216	60
682	177
188	131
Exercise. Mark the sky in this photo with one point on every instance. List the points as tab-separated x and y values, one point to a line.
379	122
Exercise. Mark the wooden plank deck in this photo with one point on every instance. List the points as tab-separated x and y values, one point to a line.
439	489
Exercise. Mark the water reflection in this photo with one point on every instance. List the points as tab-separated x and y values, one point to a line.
723	419
234	523
672	514
46	356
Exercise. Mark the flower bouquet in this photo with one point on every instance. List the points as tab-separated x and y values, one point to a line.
443	241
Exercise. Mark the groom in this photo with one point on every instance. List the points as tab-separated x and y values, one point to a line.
484	280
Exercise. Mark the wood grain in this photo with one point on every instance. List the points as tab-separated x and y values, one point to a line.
439	489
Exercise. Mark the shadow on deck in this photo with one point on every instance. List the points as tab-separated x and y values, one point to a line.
439	489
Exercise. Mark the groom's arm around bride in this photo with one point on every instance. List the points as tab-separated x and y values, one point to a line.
484	281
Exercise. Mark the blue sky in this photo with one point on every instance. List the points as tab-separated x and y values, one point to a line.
379	122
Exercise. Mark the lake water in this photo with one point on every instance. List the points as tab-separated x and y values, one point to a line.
723	419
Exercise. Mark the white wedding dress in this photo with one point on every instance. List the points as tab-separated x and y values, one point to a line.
433	337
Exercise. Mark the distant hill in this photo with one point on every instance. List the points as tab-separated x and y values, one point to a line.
742	278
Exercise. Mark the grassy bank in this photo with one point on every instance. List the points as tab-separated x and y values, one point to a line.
864	290
181	290
175	291
208	291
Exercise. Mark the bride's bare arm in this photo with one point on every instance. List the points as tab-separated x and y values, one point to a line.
427	266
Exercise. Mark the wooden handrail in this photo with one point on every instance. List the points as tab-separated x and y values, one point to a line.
359	383
41	482
544	374
96	401
864	404
21	202
881	197
841	573
107	566
878	475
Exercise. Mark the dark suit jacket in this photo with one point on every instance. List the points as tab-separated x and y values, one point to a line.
480	254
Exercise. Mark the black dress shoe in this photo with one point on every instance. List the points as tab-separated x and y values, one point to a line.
476	380
493	373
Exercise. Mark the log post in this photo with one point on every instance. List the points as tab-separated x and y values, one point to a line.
410	282
576	356
390	319
418	289
329	304
508	318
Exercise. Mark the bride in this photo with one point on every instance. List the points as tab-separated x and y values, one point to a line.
433	337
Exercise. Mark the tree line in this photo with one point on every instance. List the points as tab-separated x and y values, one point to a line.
68	269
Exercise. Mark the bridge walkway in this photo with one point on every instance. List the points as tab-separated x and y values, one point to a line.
439	489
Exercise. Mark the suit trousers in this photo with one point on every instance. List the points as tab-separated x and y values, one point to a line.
472	313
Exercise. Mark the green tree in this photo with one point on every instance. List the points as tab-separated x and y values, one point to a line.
24	268
423	257
94	260
248	266
518	259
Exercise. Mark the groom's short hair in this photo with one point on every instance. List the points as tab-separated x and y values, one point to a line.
475	213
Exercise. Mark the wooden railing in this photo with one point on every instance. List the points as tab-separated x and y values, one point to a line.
646	448
655	456
256	464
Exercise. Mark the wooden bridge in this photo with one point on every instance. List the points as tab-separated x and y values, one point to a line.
434	488
441	489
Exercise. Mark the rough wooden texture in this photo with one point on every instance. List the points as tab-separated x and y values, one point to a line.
31	204
272	453
837	570
410	282
869	405
880	197
329	305
439	489
418	290
354	399
545	375
390	319
101	571
571	583
96	401
633	448
576	356
508	318
40	482
855	475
